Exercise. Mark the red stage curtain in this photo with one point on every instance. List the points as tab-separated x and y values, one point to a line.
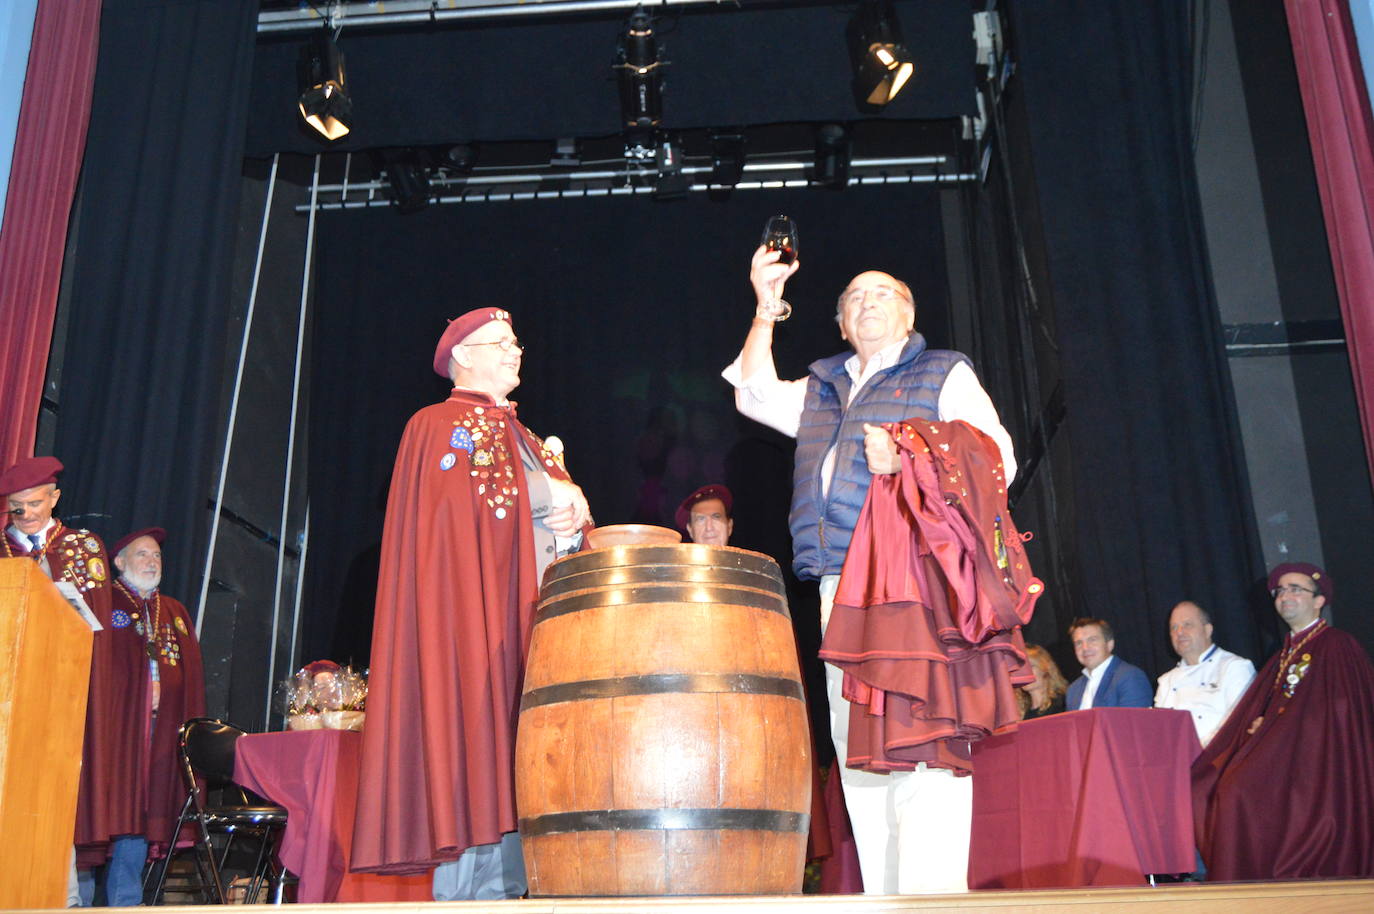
1340	128
47	159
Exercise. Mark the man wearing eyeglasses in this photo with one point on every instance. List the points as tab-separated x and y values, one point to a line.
478	507
1285	788
836	414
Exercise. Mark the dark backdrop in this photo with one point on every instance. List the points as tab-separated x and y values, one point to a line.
152	241
630	309
1160	499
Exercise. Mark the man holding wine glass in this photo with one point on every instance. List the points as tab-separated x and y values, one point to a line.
836	415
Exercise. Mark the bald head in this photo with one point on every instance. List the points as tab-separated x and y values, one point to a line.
875	311
1190	631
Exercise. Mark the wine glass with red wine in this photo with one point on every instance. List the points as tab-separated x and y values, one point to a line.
780	234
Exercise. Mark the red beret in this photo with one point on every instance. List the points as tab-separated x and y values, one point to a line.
1319	577
458	330
157	533
29	472
684	510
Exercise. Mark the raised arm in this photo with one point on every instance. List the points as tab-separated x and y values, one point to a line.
758	392
768	277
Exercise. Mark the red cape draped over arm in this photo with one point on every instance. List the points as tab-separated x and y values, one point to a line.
927	617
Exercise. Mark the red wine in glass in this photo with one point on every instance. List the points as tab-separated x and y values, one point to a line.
780	234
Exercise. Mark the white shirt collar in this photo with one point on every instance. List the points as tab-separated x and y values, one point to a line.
22	538
1096	675
883	358
1206	655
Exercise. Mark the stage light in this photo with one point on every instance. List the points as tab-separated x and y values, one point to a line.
832	157
460	158
882	64
727	158
324	103
408	177
567	152
671	183
640	74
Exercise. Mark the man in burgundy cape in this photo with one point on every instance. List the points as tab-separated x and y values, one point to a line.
1285	790
140	791
478	507
78	557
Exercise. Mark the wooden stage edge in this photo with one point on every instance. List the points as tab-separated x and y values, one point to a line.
1252	898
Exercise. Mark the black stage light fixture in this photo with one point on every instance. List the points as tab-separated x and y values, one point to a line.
671	184
727	158
408	177
832	157
324	103
567	152
640	74
882	64
460	158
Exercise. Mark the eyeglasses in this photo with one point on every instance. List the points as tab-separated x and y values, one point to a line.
1293	589
506	345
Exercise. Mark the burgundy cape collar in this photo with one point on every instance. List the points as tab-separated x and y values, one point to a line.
455	605
927	618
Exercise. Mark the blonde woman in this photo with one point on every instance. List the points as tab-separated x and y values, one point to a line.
1046	694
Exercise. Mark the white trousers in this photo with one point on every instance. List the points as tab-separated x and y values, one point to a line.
911	828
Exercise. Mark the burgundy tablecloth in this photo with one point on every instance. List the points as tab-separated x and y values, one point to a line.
1096	797
313	774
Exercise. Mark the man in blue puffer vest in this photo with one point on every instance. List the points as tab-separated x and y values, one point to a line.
911	827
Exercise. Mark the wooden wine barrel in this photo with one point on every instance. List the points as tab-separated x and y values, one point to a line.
663	746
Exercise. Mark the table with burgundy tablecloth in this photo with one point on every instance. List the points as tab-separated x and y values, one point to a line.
313	774
1098	797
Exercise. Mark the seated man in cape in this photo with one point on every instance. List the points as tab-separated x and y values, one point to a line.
478	507
1285	788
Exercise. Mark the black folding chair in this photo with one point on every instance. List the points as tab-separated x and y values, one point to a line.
206	751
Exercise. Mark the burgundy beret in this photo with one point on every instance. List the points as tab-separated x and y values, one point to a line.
1318	576
29	472
458	330
715	490
157	533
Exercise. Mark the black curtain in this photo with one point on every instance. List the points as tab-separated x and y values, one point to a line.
152	247
630	309
1161	507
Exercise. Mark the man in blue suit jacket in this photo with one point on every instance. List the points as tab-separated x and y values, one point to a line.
1107	681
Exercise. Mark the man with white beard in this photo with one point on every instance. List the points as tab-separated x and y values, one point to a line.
154	682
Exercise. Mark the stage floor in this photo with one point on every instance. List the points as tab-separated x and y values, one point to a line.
1253	898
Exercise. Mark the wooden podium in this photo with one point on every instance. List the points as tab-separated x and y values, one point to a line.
45	662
